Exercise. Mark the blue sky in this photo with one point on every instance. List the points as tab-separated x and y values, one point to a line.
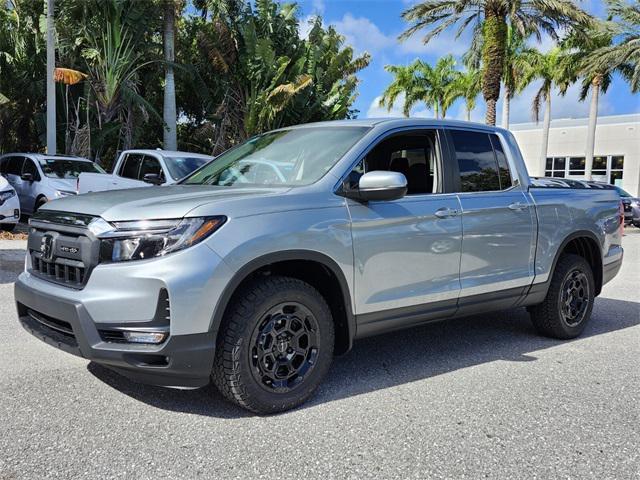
374	25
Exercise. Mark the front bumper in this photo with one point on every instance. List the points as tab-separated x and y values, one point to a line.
10	211
181	361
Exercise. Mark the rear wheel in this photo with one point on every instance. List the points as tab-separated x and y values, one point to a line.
567	307
275	345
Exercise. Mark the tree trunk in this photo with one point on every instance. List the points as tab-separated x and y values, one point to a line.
493	51
468	113
591	132
545	135
169	110
51	86
506	104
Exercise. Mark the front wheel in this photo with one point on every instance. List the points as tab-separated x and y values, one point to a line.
275	345
39	203
8	227
567	307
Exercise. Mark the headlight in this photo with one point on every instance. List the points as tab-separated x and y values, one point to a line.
153	238
64	193
7	195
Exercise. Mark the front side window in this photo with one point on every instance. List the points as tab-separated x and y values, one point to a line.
131	166
299	156
67	168
150	166
30	167
413	154
476	161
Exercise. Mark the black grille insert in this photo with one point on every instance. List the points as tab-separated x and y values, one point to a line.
62	270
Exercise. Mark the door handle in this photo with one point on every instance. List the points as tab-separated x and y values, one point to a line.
446	212
518	206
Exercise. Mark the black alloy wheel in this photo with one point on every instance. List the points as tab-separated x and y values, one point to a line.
285	346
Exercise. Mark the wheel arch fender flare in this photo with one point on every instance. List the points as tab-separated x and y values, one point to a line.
258	263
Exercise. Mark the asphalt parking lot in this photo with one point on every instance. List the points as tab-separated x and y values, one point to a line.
480	397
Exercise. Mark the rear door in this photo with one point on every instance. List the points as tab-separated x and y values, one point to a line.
498	223
407	251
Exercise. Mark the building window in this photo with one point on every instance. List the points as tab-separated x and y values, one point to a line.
555	167
606	168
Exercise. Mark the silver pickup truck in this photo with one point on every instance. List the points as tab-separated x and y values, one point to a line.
258	268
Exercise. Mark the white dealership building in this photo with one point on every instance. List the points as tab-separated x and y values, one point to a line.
616	157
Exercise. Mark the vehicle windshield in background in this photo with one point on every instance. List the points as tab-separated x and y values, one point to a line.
180	167
64	168
621	192
293	157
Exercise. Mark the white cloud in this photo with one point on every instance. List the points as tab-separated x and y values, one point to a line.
364	35
305	26
377	111
567	106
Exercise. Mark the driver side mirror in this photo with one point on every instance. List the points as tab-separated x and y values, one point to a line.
153	179
27	177
379	185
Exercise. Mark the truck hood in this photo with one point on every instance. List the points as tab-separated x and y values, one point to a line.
147	203
65	184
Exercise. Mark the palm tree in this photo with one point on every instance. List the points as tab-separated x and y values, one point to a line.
467	85
404	83
169	113
513	75
625	54
595	78
420	82
554	69
490	19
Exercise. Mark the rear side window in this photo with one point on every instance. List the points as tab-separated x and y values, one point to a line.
476	161
131	167
503	166
14	166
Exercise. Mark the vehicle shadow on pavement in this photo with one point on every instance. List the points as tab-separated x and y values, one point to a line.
401	357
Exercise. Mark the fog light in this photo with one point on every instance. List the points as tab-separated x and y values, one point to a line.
16	213
145	337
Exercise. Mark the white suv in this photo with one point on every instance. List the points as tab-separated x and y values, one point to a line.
9	206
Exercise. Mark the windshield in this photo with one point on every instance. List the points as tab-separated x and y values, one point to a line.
180	167
64	168
621	192
282	158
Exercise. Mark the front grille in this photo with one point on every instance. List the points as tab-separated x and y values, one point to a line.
54	328
61	270
63	252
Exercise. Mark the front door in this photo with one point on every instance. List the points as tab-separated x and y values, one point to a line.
407	251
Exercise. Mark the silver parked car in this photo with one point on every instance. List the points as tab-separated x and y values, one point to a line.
256	269
39	178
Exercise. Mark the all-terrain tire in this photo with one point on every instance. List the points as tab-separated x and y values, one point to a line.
552	317
237	373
